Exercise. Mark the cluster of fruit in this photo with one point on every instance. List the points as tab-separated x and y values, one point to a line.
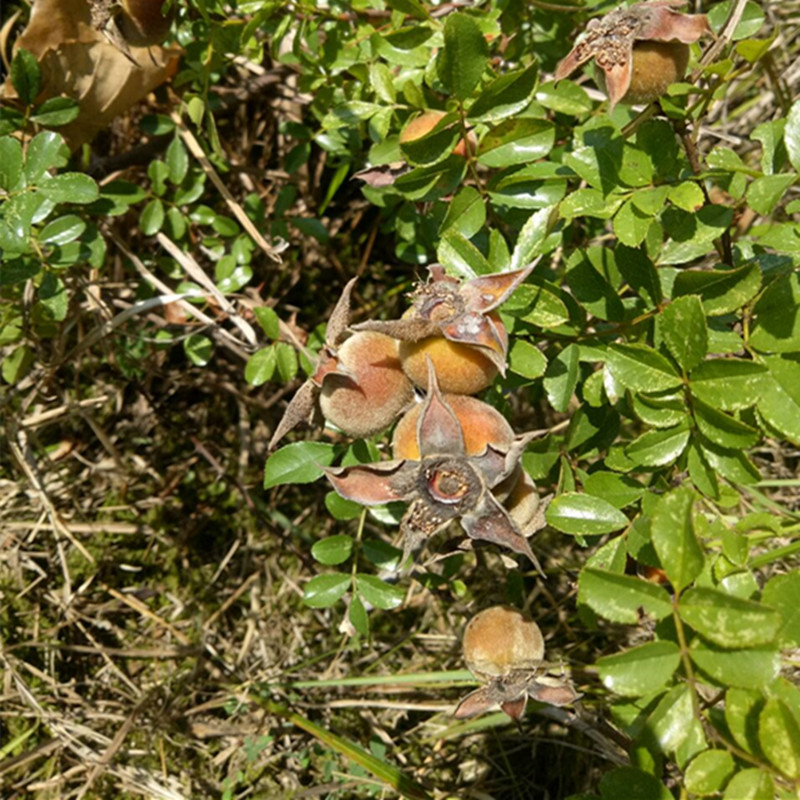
453	456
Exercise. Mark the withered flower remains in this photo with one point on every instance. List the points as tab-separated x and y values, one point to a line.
640	49
505	649
459	311
444	484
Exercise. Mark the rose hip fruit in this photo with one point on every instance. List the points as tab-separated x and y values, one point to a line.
481	424
500	641
372	390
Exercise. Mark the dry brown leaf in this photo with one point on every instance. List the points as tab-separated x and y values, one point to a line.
81	62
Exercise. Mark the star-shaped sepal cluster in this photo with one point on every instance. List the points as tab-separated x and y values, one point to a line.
458	310
444	484
303	406
610	40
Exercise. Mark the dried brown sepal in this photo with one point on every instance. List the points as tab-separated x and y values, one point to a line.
443	485
302	406
610	41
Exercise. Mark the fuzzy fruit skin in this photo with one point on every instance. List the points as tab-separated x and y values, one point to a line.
381	392
425	123
500	641
460	368
481	423
654	67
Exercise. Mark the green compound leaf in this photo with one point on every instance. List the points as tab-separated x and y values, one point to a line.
722	291
323	591
504	97
26	77
742	709
70	187
632	784
660	447
584	515
750	784
640	368
682	324
722	429
729	621
334	550
673	536
783	593
672	720
518	141
745	669
777	316
620	598
526	359
779	735
561	377
779	404
46	151
299	462
464	57
639	671
10	162
730	384
709	772
466	213
378	593
56	111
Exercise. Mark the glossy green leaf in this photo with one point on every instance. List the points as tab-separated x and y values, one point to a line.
589	279
640	368
26	76
723	429
777	316
269	321
358	616
721	291
729	621
632	784
504	97
584	514
746	669
779	735
791	135
671	721
660	411
749	24
564	97
641	670
56	111
464	56
538	304
731	464
62	230
588	202
619	490
45	151
466	213
10	162
333	550
783	593
779	403
673	537
709	772
728	383
631	224
764	193
378	593
621	598
70	187
300	462
177	160
517	141
750	784
323	591
54	298
742	709
561	377
460	255
526	359
435	145
682	324
659	447
340	508
531	238
198	349
152	217
687	196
